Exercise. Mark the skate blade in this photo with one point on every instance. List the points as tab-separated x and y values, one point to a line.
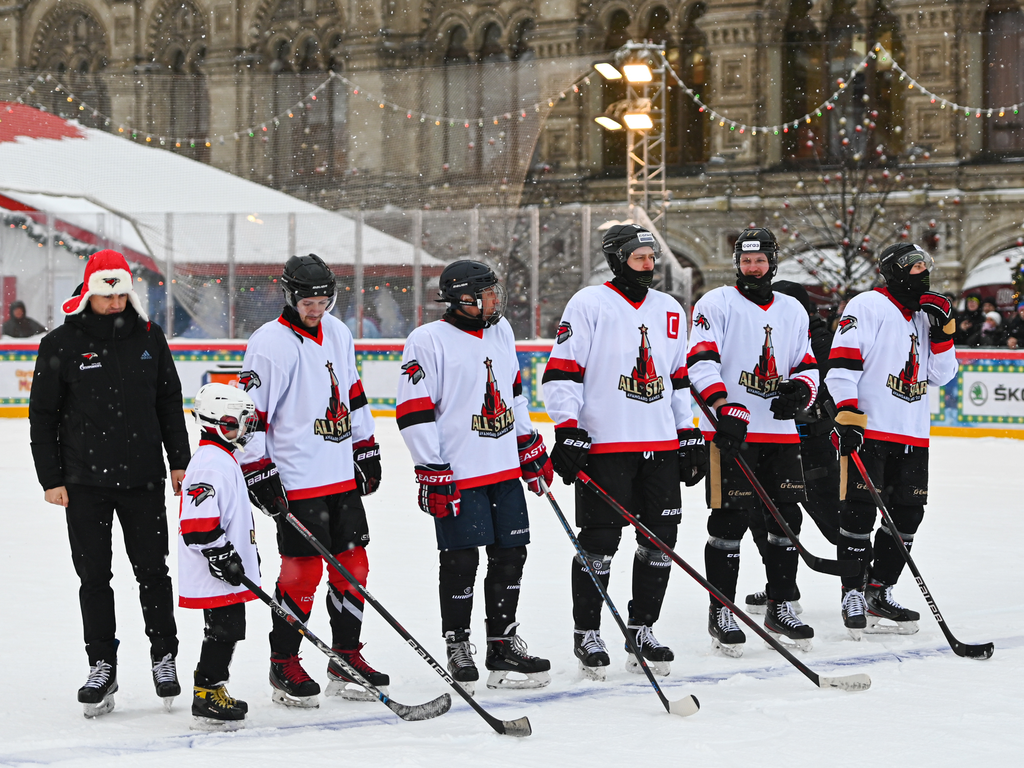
211	725
875	627
300	702
469	686
732	650
499	678
855	634
350	691
597	674
168	703
102	708
794	644
661	668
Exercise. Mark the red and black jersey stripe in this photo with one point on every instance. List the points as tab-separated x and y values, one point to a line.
356	396
559	369
517	385
201	530
680	379
807	364
705	350
846	357
418	411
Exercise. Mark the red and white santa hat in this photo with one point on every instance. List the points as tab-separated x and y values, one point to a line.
106	274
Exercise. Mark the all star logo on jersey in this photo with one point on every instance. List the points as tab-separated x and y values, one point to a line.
764	380
248	380
495	418
905	385
847	323
644	383
701	322
414	371
337	422
563	333
200	492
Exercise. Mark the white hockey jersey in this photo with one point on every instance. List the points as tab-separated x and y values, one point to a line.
311	402
883	361
214	510
460	401
618	370
741	351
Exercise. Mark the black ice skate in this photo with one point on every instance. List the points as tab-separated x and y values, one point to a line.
854	608
165	680
781	622
507	654
97	695
592	653
659	657
292	686
726	635
213	709
758	602
881	605
460	659
340	683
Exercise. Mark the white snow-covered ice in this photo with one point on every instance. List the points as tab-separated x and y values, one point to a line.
926	706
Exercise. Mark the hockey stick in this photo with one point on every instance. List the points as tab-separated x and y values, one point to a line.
966	650
520	727
684	707
820	564
858	682
434	708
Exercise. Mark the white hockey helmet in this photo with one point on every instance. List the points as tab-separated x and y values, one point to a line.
220	408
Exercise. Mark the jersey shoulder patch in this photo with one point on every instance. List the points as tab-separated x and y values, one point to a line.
414	371
200	492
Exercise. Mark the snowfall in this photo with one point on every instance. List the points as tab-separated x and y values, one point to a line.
926	706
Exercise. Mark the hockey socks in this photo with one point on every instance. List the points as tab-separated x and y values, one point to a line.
651	571
344	603
586	600
501	587
295	589
456	576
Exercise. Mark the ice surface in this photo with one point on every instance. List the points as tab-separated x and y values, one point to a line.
925	706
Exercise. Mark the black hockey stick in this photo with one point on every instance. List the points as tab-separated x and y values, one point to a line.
520	727
858	682
820	564
966	650
683	707
434	708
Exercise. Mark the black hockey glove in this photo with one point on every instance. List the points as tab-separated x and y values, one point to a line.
265	489
569	455
733	419
940	316
693	456
794	396
848	435
438	496
225	564
366	463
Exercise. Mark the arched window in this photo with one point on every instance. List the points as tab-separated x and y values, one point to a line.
490	48
657	25
456	51
1004	75
618	30
520	48
73	44
884	89
688	137
803	76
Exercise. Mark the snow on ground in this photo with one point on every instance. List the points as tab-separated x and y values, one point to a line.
925	706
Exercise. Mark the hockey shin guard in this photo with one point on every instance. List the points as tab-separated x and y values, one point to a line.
224	627
722	552
888	563
295	589
457	575
858	518
599	544
344	603
501	587
781	557
651	571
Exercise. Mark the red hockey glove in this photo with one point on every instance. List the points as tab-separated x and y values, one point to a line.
794	395
265	489
366	465
940	315
693	456
848	435
439	496
569	455
733	419
534	462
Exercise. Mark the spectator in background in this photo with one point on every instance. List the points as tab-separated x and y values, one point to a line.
969	321
992	330
1015	329
988	306
20	325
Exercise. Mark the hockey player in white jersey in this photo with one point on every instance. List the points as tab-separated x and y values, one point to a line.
319	451
464	418
216	546
750	358
616	387
891	344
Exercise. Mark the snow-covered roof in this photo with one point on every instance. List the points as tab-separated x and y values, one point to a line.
995	270
49	163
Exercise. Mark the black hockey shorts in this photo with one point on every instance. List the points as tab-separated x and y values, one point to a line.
338	521
899	471
489	514
645	483
777	467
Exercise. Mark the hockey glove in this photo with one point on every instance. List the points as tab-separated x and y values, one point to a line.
438	496
225	564
848	434
940	315
733	419
569	455
794	396
366	463
693	456
265	489
534	462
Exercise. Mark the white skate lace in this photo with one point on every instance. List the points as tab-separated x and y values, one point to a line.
98	675
853	603
460	654
889	599
784	615
645	636
164	671
592	642
726	621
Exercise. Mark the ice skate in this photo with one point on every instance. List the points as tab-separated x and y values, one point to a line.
460	659
97	695
854	609
592	653
758	602
213	709
507	655
343	685
659	657
726	635
881	605
781	622
165	680
292	686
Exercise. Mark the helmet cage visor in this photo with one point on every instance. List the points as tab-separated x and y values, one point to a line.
491	300
240	418
908	258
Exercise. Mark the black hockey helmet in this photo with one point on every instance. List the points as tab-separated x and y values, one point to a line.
620	240
306	277
757	240
471	278
895	261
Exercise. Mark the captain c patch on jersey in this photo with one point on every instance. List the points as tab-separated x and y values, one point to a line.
644	383
200	492
495	418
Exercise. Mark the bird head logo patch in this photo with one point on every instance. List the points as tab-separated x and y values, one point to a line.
248	380
846	323
414	371
200	492
563	333
111	281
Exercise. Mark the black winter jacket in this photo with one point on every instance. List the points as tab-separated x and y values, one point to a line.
104	396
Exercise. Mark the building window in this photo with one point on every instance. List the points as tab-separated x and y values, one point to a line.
803	77
1004	78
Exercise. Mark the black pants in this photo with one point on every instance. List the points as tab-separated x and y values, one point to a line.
143	520
223	628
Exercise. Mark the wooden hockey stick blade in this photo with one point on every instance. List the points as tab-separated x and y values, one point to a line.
684	707
858	682
425	711
520	727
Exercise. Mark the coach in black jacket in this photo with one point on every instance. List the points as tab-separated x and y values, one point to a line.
105	397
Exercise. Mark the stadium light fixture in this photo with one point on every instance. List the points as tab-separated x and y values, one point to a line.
608	123
607	70
638	121
638	73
